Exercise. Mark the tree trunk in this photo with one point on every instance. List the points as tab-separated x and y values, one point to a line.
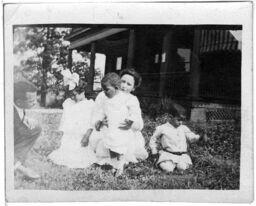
45	68
92	68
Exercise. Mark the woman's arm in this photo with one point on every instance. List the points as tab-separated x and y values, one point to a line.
98	113
135	113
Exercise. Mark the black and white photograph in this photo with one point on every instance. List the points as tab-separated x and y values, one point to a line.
128	101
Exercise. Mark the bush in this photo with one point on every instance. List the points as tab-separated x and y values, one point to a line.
160	106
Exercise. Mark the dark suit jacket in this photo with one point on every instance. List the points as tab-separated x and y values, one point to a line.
24	137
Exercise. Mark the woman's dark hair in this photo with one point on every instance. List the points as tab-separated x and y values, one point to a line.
113	79
134	74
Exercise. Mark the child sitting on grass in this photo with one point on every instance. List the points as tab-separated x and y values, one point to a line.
75	121
174	145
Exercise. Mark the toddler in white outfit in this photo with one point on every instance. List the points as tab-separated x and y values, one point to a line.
174	145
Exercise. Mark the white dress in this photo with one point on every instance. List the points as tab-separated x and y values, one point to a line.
129	143
74	123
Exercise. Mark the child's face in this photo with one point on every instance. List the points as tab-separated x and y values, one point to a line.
78	97
109	90
28	102
176	122
127	83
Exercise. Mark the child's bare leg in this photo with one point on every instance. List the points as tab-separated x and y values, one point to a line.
182	166
118	161
167	166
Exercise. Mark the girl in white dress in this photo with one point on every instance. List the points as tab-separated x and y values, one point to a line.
75	122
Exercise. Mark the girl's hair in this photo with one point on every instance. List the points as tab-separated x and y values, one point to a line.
81	87
113	79
134	74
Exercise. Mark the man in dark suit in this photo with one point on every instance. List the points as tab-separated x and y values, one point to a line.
26	131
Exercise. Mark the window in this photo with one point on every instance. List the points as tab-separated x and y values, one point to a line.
156	58
119	63
184	55
100	62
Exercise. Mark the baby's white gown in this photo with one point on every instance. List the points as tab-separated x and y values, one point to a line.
130	142
74	123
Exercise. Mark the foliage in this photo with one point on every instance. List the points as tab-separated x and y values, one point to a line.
38	45
41	53
216	164
158	106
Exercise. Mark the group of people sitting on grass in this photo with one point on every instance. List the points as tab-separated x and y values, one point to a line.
106	131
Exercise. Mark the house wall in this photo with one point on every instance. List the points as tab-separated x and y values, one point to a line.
221	76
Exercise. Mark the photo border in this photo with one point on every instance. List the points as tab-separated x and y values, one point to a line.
233	13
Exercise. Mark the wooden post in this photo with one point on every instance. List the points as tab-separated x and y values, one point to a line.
109	66
165	61
70	59
92	68
195	66
131	48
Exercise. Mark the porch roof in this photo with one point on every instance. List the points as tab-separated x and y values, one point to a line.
89	35
220	40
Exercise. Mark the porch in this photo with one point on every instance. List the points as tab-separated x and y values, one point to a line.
187	63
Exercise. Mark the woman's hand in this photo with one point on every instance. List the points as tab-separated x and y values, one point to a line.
126	124
99	124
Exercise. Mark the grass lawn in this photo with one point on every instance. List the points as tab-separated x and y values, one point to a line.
215	164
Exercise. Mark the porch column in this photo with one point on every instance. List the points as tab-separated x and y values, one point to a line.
195	66
70	58
109	63
92	67
165	61
131	48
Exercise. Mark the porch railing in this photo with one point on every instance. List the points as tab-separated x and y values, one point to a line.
178	85
221	91
150	85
